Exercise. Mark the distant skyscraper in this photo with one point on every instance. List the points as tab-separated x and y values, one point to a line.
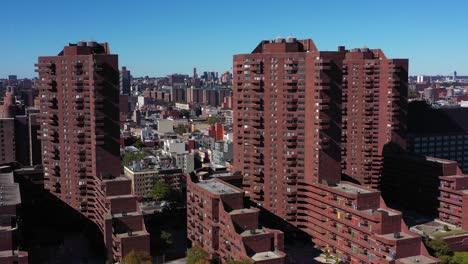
79	115
125	81
12	80
8	107
455	76
421	79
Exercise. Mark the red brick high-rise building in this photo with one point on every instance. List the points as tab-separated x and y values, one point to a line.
218	221
295	110
374	107
79	115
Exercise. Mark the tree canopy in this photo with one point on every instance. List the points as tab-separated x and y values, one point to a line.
160	191
138	257
459	258
181	129
130	157
166	238
439	247
196	255
213	120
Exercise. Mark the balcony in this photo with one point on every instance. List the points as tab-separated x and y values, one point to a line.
291	180
259	180
291	82
291	125
258	174
291	67
292	88
257	82
291	144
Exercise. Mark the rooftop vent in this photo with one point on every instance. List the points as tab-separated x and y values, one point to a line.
279	40
290	39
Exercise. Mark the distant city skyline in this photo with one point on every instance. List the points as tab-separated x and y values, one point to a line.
160	38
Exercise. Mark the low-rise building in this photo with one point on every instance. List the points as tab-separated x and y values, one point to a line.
9	202
223	152
165	125
124	226
219	223
144	177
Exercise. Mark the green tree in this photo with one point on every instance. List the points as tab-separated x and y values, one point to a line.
137	257
138	144
438	247
180	129
212	120
130	157
203	261
160	191
166	238
196	254
459	258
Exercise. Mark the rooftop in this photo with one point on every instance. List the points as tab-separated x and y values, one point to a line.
253	232
418	259
243	211
381	210
396	236
443	161
348	188
218	187
120	178
134	233
265	256
455	176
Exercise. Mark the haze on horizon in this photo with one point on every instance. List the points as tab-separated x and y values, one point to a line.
157	38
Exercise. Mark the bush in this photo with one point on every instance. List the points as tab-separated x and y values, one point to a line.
459	258
166	238
130	157
137	257
160	191
196	255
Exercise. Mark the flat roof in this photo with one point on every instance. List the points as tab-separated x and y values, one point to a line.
217	187
348	188
134	233
243	211
221	175
382	210
419	259
455	176
401	236
120	178
443	161
265	256
253	232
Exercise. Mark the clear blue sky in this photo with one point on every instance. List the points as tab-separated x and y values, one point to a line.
158	37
